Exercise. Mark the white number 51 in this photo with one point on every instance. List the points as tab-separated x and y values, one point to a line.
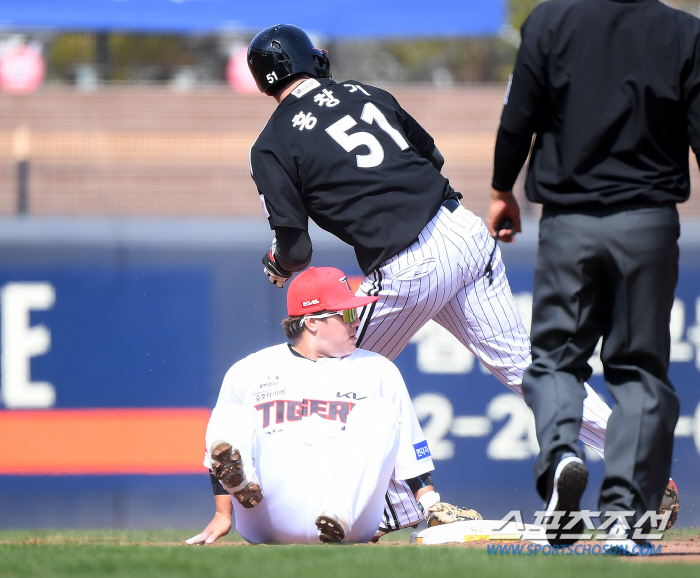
370	113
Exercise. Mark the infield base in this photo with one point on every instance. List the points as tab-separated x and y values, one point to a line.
474	530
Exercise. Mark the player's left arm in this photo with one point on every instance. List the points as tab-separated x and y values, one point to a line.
285	211
424	490
414	456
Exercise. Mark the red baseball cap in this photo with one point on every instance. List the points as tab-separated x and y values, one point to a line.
322	288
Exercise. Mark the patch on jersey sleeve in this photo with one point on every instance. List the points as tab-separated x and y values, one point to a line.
422	450
306	86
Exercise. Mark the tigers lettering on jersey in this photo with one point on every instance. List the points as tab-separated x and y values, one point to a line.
284	410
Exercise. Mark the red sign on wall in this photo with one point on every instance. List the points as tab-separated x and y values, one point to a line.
21	70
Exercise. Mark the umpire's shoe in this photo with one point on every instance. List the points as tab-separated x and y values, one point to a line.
566	485
228	468
618	543
331	528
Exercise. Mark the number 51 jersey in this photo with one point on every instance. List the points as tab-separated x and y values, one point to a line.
348	156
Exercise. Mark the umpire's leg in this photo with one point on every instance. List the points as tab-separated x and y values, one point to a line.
643	259
566	325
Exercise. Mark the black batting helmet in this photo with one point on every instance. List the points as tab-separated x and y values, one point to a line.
281	51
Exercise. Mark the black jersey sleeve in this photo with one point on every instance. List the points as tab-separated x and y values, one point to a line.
275	181
691	92
293	249
510	154
417	135
526	96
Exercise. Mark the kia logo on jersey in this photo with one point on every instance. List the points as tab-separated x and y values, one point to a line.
422	450
350	393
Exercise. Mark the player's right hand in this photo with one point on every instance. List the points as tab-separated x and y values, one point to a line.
278	276
503	207
219	526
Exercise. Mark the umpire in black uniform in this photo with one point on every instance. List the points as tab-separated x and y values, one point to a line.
611	89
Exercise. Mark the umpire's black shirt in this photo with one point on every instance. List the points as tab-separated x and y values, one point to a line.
612	90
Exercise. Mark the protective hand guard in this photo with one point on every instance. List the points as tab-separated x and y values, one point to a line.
444	513
278	275
670	502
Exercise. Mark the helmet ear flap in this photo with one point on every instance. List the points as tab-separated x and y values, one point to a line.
324	65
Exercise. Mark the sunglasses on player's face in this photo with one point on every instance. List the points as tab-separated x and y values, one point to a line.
349	315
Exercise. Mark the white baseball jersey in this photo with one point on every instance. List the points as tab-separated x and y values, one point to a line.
290	416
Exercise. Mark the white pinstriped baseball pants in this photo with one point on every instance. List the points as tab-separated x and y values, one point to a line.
443	276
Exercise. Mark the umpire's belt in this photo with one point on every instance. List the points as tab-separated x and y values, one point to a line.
451	204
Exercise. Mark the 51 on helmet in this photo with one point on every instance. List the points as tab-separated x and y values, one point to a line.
282	51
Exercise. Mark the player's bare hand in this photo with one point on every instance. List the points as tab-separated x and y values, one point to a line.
219	526
502	209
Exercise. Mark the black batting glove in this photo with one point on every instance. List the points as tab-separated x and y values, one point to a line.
277	274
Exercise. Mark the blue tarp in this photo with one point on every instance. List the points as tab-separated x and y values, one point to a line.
333	18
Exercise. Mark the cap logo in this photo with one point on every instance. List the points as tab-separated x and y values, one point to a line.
310	303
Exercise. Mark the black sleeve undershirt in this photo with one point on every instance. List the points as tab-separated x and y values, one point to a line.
293	251
219	490
420	482
510	154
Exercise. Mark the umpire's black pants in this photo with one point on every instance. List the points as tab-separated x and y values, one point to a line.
609	273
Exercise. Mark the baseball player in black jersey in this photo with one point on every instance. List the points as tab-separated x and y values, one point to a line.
346	155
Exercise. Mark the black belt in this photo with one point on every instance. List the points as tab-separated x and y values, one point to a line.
451	204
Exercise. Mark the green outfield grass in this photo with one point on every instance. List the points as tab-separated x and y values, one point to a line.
160	553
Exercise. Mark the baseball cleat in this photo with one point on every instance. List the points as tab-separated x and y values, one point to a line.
619	544
227	466
330	528
567	486
670	502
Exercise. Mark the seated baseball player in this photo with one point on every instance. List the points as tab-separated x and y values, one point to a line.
306	436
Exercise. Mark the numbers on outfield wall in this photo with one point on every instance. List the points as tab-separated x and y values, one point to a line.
517	439
514	439
436	410
438	351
